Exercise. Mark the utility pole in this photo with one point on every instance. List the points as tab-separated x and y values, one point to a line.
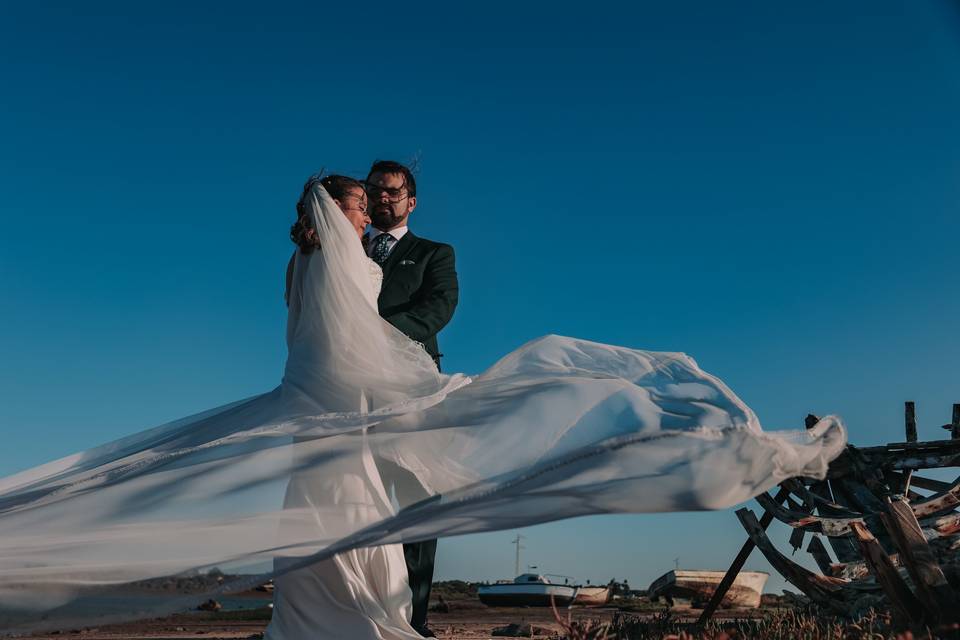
516	566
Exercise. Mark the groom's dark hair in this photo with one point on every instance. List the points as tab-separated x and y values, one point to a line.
392	166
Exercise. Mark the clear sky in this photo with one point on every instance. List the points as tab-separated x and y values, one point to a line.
772	188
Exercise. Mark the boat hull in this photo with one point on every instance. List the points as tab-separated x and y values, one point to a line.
592	596
525	595
698	586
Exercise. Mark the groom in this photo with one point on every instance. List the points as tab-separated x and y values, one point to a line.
418	297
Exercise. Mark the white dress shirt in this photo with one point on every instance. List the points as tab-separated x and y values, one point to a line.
396	234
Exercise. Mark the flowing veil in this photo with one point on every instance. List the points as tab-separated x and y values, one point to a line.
558	428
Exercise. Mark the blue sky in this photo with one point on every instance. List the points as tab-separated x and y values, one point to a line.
772	189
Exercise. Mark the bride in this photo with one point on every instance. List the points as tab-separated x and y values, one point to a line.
300	483
360	593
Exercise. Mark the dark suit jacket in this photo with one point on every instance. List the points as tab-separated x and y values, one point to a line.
420	289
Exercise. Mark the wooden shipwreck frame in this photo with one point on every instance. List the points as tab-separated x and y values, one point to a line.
895	534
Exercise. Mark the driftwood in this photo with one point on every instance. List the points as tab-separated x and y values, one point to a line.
889	538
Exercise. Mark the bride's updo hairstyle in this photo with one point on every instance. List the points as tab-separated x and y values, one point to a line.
302	232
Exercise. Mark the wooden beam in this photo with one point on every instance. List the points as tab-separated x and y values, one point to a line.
800	520
844	548
955	422
860	496
737	565
832	593
896	456
910	418
939	503
901	482
796	538
942	527
820	499
858	570
928	578
930	484
903	446
820	555
899	594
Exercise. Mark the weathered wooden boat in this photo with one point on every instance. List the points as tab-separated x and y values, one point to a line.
527	590
895	533
696	587
593	596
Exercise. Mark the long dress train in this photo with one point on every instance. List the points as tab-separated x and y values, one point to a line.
558	428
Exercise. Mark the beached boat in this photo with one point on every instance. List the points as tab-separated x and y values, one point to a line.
696	587
527	590
593	596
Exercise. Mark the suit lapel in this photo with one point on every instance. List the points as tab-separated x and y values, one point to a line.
404	245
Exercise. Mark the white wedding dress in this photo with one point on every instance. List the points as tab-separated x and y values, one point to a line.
303	484
361	593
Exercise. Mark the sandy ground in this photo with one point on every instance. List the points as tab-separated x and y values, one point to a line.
473	623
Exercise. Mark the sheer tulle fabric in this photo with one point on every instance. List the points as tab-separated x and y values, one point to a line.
556	429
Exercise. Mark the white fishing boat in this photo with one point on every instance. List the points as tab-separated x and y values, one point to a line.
593	596
696	587
527	590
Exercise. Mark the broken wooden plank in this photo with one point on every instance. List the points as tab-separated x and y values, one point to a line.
800	520
820	555
945	525
820	500
930	484
863	486
942	527
858	570
796	539
939	503
737	565
824	590
928	578
901	483
844	548
887	576
897	456
910	420
859	496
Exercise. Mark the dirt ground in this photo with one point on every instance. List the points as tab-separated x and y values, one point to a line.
469	623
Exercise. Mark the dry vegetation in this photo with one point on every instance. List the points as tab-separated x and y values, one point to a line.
777	625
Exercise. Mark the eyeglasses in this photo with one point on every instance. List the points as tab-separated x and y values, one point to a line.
394	194
361	204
